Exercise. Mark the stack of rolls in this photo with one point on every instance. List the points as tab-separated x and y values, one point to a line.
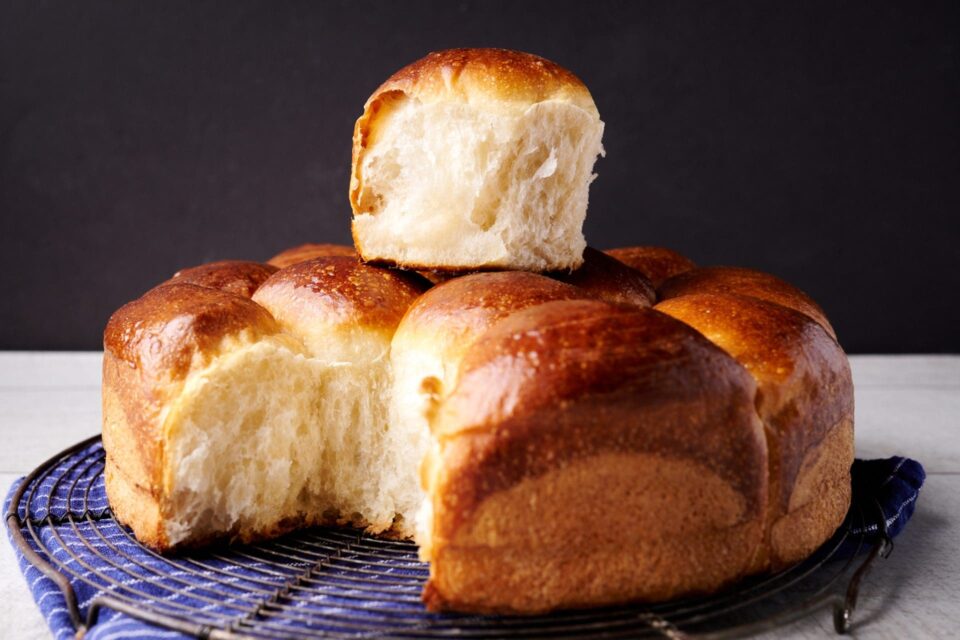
555	426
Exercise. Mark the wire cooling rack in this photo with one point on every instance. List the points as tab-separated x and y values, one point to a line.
326	582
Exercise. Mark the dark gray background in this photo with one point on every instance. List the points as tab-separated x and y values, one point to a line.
818	141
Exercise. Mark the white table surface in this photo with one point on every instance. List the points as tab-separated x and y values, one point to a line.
907	405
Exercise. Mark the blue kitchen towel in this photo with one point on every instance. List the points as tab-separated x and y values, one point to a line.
891	487
884	492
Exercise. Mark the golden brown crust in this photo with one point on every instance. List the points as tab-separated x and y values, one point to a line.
308	251
585	367
803	377
495	78
239	277
164	331
340	289
150	346
744	282
131	439
819	500
656	263
470	304
610	280
607	529
448	318
568	381
499	75
135	506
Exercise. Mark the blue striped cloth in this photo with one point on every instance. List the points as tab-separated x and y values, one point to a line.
889	487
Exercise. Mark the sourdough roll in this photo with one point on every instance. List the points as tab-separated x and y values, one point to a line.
308	251
475	159
805	396
591	454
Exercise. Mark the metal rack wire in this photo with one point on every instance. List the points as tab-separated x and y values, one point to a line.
340	583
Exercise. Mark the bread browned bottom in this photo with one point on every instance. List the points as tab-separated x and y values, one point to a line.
129	476
677	536
134	506
648	529
819	501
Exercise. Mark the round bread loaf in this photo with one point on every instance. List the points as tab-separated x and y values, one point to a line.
548	444
475	159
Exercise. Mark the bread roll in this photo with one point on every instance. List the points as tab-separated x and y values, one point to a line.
444	322
475	159
747	282
233	276
308	251
805	396
656	263
222	421
181	367
609	279
345	314
591	454
436	331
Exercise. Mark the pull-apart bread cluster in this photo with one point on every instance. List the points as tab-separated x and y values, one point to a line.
636	428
